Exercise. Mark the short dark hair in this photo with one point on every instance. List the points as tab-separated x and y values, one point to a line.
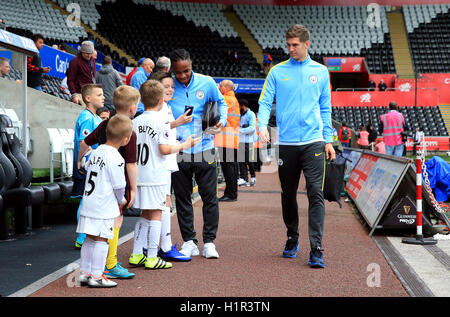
37	36
243	102
179	55
102	109
107	60
393	105
159	76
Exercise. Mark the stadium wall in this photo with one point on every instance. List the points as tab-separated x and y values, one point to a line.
44	111
425	97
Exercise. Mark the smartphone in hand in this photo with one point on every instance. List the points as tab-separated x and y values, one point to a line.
190	108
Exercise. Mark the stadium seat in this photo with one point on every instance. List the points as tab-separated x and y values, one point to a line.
428	28
126	24
62	146
19	194
428	118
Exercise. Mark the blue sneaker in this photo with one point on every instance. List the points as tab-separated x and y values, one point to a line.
291	248
173	255
118	272
316	259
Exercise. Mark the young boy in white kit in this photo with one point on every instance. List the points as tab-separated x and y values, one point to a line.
103	196
168	251
153	144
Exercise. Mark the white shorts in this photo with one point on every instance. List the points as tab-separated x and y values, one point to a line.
103	228
150	197
169	183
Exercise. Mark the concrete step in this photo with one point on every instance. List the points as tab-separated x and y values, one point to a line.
400	46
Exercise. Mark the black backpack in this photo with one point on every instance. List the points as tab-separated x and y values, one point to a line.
334	180
210	115
345	134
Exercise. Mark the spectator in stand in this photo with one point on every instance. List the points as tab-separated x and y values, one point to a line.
110	79
163	64
61	47
34	65
236	58
4	67
130	75
382	86
2	25
372	85
391	126
267	61
65	88
141	77
417	138
363	138
229	57
81	71
345	135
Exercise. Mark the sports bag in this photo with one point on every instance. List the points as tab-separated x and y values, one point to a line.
210	115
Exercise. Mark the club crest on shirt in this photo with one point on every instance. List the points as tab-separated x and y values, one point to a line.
313	79
200	94
166	134
86	132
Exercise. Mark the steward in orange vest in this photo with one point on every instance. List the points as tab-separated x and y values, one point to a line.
228	142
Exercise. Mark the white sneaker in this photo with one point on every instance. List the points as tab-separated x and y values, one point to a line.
209	251
101	282
189	248
84	278
241	181
253	181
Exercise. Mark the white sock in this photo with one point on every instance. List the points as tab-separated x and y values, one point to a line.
166	238
140	235
100	252
86	256
153	237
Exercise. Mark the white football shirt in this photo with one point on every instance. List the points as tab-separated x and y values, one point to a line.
152	129
105	173
171	159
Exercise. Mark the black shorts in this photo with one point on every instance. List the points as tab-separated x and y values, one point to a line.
78	188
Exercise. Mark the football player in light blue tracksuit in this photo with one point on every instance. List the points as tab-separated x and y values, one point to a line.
194	90
301	87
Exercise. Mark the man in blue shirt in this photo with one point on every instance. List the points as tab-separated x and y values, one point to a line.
140	77
247	137
195	90
301	87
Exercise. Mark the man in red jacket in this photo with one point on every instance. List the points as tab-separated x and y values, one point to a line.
128	80
81	71
345	135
